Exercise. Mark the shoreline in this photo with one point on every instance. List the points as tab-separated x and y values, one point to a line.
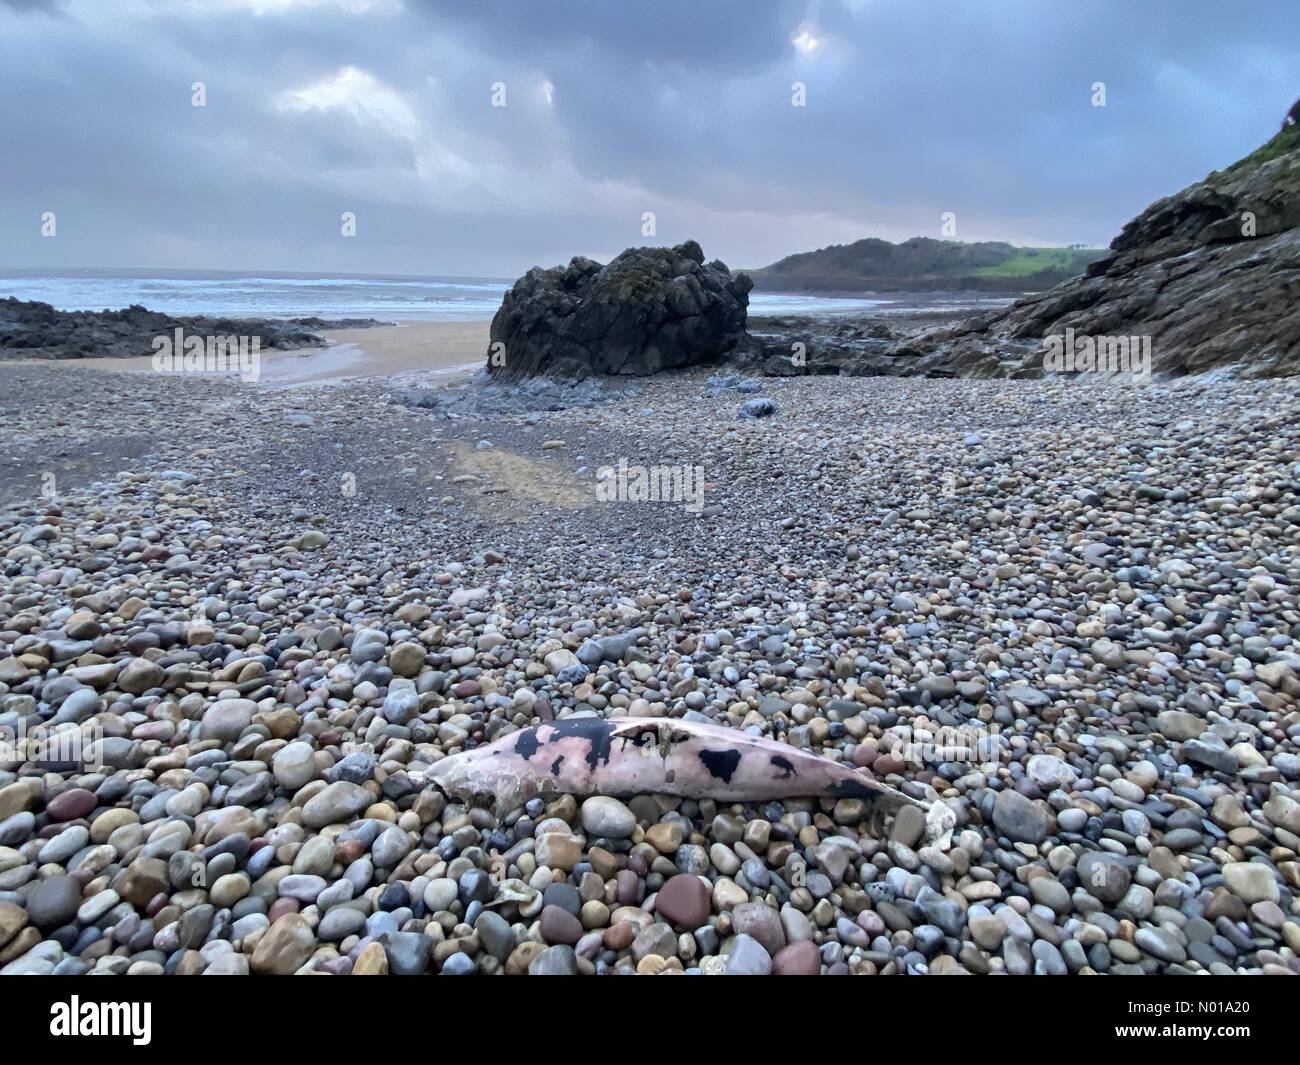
450	348
399	349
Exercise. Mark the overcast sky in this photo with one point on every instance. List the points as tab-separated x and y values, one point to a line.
682	108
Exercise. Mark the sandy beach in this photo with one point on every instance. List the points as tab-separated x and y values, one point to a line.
381	351
387	351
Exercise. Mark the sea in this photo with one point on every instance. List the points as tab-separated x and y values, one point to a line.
295	295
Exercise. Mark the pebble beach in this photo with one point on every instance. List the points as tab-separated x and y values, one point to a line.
261	612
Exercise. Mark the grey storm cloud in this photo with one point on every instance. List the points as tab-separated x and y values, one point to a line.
384	108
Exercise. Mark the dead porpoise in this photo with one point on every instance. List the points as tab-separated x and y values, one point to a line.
635	755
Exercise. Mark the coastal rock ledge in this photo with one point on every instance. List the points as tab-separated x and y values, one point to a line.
650	309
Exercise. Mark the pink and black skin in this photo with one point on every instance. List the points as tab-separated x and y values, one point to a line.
622	756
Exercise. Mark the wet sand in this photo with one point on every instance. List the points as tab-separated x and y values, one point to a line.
387	351
380	351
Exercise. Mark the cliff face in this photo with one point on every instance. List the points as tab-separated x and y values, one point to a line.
1211	275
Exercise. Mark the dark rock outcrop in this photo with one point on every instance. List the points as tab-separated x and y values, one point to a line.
843	346
1210	274
650	309
30	329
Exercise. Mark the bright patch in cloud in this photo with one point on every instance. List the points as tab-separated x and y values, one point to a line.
357	93
806	40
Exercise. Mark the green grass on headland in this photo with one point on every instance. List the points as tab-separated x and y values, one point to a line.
1026	262
924	264
1284	141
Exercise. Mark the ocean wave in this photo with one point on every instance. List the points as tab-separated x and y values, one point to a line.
327	297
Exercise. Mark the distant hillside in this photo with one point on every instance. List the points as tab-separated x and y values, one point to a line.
922	264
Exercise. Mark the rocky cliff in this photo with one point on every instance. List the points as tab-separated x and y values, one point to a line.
1211	275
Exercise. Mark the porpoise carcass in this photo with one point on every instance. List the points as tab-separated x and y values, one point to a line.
634	755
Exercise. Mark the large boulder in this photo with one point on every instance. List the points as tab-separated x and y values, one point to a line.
650	309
